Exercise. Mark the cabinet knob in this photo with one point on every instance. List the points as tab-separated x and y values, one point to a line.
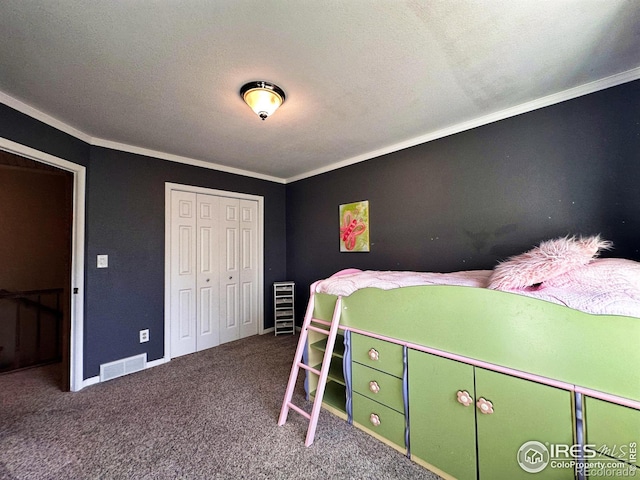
464	398
374	355
374	419
373	386
485	406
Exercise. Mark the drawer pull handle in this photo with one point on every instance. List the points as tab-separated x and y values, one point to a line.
374	355
373	386
374	419
485	406
464	398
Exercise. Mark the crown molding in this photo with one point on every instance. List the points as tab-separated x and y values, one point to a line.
179	159
579	91
22	107
99	142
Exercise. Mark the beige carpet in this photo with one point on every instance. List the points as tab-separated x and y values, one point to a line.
209	415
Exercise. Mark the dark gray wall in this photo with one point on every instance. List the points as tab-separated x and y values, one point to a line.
125	219
23	129
470	199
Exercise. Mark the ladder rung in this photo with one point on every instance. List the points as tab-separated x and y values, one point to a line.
300	411
319	330
307	367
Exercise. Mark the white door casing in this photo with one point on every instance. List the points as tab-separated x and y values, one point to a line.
76	355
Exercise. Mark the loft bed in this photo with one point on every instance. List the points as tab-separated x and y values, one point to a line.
555	318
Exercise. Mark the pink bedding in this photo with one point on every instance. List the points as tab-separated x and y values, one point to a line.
604	286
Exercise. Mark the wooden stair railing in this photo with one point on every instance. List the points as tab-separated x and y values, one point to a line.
33	300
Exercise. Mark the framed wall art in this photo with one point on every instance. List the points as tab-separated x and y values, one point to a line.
354	227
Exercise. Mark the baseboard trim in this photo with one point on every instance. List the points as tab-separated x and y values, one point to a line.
90	381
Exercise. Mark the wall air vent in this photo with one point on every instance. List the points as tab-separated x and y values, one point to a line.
122	367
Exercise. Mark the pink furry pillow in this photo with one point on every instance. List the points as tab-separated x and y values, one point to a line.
548	260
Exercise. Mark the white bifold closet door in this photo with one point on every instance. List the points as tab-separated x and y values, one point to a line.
214	276
238	268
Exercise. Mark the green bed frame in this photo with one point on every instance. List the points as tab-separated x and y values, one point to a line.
596	352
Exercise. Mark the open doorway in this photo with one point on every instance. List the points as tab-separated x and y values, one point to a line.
36	212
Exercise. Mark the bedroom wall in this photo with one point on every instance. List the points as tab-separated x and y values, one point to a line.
471	199
23	129
125	219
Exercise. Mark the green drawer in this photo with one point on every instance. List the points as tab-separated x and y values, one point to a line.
387	356
391	424
378	386
613	429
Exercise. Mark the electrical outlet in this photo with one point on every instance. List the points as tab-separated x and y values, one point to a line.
144	335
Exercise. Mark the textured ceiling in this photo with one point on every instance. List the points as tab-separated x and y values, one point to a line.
362	77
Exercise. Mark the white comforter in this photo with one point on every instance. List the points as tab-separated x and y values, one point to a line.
605	286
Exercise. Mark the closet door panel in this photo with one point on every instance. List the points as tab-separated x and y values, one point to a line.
207	327
228	226
248	267
183	273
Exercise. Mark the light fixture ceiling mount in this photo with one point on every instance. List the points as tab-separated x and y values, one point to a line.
264	98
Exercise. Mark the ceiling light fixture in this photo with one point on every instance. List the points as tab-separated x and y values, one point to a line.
264	98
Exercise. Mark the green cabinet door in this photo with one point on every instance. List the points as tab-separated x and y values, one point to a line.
523	411
446	434
613	430
442	430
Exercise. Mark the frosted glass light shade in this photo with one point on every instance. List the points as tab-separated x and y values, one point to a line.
263	98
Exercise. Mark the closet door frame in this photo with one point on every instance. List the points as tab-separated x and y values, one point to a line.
169	187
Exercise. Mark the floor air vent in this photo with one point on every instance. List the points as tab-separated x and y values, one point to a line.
123	367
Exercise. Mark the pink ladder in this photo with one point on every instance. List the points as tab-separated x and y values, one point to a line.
322	373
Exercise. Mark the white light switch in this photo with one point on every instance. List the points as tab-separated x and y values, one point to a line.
103	261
